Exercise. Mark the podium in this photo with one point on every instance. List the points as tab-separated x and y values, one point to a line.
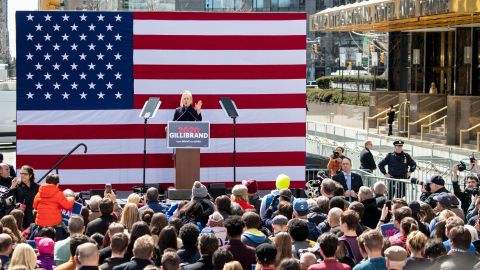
186	138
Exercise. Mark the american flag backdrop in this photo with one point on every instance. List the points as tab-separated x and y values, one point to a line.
84	77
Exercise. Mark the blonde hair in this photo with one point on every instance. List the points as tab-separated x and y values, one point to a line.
130	215
283	243
233	266
416	241
23	255
133	198
239	192
185	93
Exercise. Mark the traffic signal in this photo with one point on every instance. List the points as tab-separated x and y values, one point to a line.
50	4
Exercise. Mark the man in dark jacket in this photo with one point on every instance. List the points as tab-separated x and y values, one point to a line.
101	224
12	169
471	188
400	166
5	178
350	181
189	252
433	188
142	252
391	118
119	244
372	214
242	253
367	162
207	245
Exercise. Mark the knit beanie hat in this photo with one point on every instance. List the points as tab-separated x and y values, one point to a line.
199	190
45	245
251	185
215	220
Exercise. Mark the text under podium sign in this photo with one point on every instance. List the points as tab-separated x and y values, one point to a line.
187	134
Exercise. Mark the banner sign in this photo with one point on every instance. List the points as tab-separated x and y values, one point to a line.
388	230
66	214
186	134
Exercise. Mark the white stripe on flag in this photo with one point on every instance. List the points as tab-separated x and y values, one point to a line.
224	87
220	174
112	117
158	146
219	57
226	28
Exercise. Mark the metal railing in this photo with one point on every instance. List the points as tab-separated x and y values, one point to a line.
413	191
60	161
429	117
431	124
468	130
383	119
382	112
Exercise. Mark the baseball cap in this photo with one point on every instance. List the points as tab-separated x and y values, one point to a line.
300	206
446	199
266	253
437	179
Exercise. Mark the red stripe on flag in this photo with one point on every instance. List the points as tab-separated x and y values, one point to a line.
155	131
219	72
247	101
126	161
213	16
182	42
262	185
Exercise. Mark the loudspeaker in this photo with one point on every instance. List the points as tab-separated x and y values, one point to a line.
217	190
98	192
179	194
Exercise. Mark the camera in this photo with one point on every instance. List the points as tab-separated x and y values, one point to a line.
472	191
461	166
415	181
336	154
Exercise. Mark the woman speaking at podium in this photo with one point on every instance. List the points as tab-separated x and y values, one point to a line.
187	112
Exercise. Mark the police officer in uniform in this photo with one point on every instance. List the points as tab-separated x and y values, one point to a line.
400	166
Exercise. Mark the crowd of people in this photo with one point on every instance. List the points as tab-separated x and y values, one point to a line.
349	226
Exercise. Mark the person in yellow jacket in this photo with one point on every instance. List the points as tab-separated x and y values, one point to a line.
50	201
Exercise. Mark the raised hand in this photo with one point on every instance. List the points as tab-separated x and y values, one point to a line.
198	106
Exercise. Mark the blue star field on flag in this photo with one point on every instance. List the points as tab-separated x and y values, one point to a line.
74	60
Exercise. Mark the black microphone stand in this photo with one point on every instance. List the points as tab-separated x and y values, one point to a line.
234	151
144	188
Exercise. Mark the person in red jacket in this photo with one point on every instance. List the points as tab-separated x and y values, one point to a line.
50	201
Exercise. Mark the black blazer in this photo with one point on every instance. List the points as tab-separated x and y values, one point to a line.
356	181
186	114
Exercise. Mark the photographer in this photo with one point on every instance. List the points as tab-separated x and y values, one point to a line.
335	163
471	188
432	188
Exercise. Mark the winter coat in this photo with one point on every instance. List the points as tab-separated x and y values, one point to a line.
49	203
